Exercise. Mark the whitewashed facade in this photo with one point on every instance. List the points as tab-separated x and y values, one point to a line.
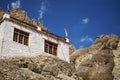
10	48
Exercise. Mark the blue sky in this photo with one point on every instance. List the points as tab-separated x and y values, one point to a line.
83	19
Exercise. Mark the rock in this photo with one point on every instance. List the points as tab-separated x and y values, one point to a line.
1	13
72	49
116	70
43	67
96	62
21	15
31	75
64	77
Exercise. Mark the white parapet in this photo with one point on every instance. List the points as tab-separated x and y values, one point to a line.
6	16
67	39
39	28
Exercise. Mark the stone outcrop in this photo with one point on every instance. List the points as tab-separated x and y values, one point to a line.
93	63
96	62
43	67
1	13
72	49
116	70
21	15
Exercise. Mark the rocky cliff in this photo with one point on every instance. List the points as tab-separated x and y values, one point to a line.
94	63
116	70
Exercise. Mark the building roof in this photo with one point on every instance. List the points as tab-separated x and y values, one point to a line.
20	17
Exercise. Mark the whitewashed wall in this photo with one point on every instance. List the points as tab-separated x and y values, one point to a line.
36	43
1	37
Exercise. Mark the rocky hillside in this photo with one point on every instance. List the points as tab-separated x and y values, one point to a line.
116	70
94	63
44	67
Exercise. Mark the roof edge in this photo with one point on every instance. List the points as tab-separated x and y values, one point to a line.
24	24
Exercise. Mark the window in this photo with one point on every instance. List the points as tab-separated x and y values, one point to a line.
50	47
21	36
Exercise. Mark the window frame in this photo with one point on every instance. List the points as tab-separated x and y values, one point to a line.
20	35
51	49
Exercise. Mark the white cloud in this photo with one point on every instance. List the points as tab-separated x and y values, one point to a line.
82	39
86	39
81	46
16	4
42	9
85	20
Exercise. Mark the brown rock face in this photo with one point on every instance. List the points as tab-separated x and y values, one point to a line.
22	15
96	62
116	70
1	13
44	67
72	49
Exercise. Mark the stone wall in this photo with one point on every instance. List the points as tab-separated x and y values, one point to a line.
1	37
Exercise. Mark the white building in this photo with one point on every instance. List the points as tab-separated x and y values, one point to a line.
20	36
